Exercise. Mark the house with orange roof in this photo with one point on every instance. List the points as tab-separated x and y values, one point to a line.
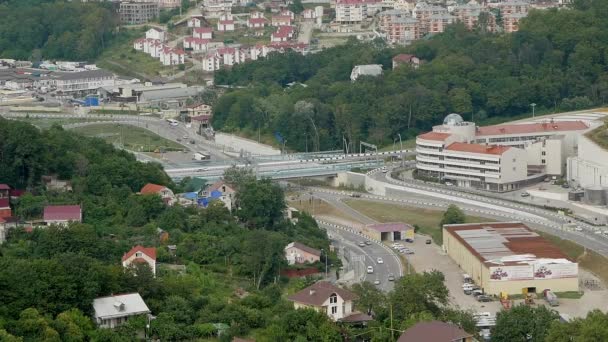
154	189
141	255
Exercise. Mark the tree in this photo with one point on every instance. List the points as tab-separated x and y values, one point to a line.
296	6
594	327
371	299
420	292
453	215
260	204
523	323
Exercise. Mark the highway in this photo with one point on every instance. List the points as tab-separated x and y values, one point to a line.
359	258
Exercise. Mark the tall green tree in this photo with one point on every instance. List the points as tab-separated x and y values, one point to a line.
523	323
453	215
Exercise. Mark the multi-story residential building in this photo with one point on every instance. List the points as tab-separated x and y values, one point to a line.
196	21
225	22
281	20
168	4
211	62
157	34
355	11
496	158
171	56
82	82
510	22
468	13
202	32
196	44
511	6
256	23
399	29
423	12
283	34
135	13
439	22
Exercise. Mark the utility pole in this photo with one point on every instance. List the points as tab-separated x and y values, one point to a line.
533	106
401	148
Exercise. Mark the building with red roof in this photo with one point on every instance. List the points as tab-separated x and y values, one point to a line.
202	32
406	59
140	254
154	189
509	257
62	214
435	331
497	158
256	23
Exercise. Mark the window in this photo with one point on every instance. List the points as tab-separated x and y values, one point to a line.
544	153
514	168
542	161
334	310
333	299
138	254
514	160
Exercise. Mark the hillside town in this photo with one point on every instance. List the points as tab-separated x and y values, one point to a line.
304	170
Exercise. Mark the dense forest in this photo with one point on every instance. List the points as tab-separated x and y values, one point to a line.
557	60
55	29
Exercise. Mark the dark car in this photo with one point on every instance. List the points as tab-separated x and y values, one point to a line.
484	298
428	241
565	185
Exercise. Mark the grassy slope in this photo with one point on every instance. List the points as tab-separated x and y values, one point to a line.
134	138
427	219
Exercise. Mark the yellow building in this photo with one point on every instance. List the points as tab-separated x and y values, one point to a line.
509	257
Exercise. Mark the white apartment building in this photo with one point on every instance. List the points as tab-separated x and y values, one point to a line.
83	81
423	12
157	34
496	158
355	11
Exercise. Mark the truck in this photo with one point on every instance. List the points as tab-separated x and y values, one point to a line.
201	156
550	297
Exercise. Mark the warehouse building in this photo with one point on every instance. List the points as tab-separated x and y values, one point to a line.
508	257
394	231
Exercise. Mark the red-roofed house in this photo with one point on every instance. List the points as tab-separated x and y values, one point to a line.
256	23
140	254
62	214
281	20
202	32
196	44
225	23
283	34
405	59
157	34
138	44
154	189
435	331
171	56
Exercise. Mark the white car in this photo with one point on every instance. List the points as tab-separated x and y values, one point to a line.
380	261
376	282
384	169
370	269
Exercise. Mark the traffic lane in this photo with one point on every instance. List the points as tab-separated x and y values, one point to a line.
265	170
381	271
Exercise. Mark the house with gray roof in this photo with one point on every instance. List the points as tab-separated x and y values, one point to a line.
113	311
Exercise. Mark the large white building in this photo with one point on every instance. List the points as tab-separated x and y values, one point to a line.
355	11
496	158
589	169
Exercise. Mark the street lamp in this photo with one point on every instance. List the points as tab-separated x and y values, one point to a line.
533	106
401	148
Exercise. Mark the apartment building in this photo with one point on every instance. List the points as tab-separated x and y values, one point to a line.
423	13
439	22
355	11
225	22
468	13
496	158
398	26
135	13
510	21
512	6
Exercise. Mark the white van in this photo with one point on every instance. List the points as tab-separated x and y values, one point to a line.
370	269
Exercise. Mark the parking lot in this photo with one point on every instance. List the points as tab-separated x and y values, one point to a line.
431	257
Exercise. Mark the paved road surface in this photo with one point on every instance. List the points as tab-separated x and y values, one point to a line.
305	32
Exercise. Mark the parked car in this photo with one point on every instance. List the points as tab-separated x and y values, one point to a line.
565	185
355	195
384	169
380	261
370	269
449	183
476	292
391	277
361	244
376	282
409	240
368	242
525	194
428	241
484	298
192	141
